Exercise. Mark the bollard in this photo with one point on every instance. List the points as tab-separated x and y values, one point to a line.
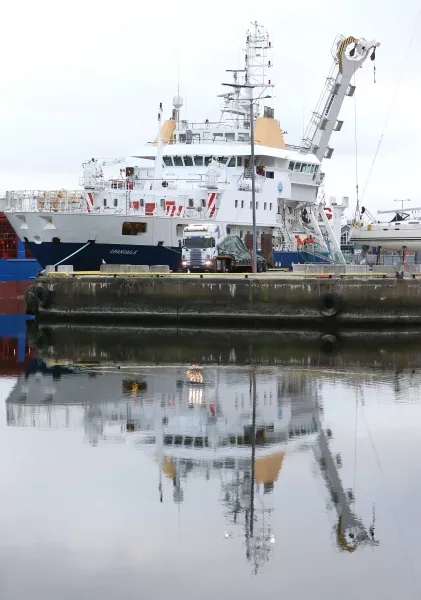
65	269
159	269
137	269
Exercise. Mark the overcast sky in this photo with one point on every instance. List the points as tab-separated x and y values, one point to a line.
84	79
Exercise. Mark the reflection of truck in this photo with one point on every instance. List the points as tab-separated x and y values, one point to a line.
205	249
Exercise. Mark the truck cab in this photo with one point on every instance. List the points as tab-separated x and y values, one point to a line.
200	247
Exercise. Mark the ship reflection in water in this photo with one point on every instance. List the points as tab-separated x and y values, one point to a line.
225	479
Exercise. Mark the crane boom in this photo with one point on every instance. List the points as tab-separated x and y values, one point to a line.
338	85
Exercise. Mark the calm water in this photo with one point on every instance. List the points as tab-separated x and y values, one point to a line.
127	459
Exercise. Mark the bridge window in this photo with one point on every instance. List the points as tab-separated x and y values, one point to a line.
231	162
218	136
198	161
230	137
168	161
178	161
239	161
269	174
188	161
297	167
207	160
133	228
291	166
222	159
243	137
191	203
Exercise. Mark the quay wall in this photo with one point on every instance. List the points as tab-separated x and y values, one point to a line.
229	301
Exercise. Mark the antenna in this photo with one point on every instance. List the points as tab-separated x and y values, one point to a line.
178	78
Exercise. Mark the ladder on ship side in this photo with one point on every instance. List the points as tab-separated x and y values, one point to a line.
248	168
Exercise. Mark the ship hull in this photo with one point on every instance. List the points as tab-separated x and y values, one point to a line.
387	238
95	254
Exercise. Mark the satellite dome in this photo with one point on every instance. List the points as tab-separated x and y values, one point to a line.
177	102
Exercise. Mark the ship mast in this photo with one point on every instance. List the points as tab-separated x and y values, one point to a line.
256	74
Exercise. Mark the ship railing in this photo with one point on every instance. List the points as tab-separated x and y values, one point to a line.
297	148
46	201
239	122
113	184
197	139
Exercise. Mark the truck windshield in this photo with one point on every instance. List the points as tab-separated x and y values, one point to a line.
199	242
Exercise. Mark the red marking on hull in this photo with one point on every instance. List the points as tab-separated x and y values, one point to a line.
211	199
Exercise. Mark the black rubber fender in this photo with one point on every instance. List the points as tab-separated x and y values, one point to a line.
31	300
43	295
330	304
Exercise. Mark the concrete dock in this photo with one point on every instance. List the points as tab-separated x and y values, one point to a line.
236	301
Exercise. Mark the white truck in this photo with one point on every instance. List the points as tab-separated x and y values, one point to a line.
204	248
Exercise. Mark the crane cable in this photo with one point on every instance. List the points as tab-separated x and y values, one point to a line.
357	206
392	103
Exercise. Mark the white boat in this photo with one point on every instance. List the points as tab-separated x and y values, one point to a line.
402	232
201	172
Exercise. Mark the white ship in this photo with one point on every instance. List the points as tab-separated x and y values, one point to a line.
201	172
402	232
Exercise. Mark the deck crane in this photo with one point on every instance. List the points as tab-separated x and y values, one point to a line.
93	175
349	54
